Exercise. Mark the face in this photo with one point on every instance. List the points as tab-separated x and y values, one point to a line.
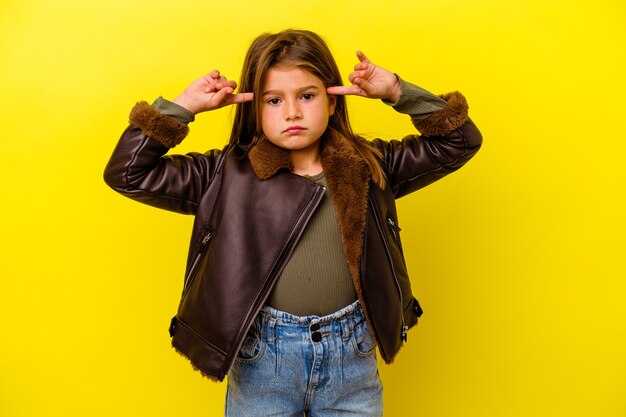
295	109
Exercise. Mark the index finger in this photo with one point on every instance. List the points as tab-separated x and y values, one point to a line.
241	97
343	90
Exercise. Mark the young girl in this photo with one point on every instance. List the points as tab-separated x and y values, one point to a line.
295	271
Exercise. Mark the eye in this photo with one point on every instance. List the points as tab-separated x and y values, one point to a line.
273	101
307	96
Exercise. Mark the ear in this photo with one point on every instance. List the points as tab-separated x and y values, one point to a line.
332	102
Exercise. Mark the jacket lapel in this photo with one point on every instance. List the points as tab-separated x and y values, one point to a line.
267	159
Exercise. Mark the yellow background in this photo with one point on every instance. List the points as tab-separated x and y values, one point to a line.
517	259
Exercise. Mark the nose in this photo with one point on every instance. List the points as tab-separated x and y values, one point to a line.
293	110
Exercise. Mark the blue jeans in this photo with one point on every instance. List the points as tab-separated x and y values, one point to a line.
321	366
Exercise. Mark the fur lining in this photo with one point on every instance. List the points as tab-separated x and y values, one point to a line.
452	116
162	128
267	159
348	179
195	368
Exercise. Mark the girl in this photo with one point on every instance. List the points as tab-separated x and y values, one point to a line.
295	271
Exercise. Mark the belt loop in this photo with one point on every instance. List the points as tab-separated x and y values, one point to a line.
346	328
271	330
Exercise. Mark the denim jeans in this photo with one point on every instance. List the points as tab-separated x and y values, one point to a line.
314	366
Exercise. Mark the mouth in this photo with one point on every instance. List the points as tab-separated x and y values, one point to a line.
294	130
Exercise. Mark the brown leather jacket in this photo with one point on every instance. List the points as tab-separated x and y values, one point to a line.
250	211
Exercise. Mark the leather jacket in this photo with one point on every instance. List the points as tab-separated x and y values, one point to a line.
250	211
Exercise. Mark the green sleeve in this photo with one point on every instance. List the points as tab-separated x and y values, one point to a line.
178	113
416	102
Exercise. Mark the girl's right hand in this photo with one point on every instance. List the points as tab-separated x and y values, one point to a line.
209	93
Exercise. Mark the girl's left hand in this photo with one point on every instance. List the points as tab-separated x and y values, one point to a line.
371	81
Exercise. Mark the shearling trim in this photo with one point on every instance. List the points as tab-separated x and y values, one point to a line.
195	368
158	126
348	180
452	116
267	159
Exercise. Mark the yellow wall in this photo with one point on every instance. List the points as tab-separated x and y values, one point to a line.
517	259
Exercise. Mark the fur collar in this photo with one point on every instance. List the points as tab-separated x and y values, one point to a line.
348	177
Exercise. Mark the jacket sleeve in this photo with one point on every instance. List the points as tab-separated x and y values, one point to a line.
139	168
449	139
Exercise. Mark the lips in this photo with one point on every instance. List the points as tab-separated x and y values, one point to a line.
294	130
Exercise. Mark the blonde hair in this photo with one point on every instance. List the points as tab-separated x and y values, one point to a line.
308	51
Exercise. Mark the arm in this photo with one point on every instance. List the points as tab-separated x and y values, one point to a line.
449	138
138	167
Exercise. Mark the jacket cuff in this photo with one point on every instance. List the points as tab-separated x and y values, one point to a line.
152	123
451	117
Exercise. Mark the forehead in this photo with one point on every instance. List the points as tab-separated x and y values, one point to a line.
286	78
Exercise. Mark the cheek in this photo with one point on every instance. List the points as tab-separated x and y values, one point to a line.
266	118
325	111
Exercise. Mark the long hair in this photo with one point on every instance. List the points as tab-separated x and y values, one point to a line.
244	123
308	51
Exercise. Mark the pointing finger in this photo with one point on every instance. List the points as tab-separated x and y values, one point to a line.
240	98
344	90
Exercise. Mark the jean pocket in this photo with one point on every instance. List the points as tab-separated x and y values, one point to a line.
362	340
252	348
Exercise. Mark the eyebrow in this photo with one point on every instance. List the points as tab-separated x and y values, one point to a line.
308	87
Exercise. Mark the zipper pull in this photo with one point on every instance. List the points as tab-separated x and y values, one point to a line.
391	222
405	330
206	239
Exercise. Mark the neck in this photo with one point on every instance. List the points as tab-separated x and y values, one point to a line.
306	161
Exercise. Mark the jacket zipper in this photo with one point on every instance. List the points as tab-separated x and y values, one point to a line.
393	225
300	225
404	329
196	260
396	235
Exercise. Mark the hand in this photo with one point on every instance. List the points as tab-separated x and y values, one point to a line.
209	93
371	81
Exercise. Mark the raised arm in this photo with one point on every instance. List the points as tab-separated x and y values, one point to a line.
449	138
139	168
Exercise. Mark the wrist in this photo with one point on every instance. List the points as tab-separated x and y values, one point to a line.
395	95
396	91
184	102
